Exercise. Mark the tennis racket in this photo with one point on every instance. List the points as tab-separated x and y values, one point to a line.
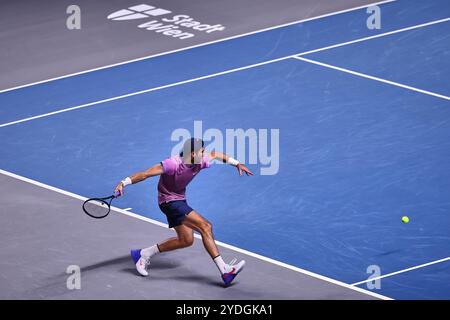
99	207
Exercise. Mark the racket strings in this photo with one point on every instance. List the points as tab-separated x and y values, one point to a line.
96	208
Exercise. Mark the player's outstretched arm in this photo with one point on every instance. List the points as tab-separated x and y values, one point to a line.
156	170
227	159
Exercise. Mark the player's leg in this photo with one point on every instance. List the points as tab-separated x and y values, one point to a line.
184	238
175	212
196	222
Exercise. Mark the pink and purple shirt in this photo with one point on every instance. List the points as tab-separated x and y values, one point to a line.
176	176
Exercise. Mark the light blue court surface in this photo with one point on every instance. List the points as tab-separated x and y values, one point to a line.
355	154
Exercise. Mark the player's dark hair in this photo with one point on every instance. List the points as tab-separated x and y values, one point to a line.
192	145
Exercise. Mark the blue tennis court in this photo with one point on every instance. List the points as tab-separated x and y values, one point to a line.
364	124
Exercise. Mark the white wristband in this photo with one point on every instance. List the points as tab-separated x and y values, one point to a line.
126	181
232	161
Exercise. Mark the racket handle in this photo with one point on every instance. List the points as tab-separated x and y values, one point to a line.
117	194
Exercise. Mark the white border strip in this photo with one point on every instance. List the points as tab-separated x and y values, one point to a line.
402	271
249	253
198	45
223	72
363	75
76	196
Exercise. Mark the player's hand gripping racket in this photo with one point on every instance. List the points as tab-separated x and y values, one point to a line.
99	207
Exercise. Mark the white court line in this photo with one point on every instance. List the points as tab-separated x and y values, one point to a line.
127	209
221	73
141	92
199	45
224	245
363	75
375	36
402	271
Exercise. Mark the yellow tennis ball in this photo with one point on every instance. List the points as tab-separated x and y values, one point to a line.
405	219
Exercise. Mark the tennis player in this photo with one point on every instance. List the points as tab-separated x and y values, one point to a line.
175	174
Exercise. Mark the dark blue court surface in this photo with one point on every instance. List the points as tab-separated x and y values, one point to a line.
356	154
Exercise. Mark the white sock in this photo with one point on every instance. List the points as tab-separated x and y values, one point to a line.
150	251
223	267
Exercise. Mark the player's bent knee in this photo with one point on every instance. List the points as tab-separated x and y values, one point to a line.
206	227
186	242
